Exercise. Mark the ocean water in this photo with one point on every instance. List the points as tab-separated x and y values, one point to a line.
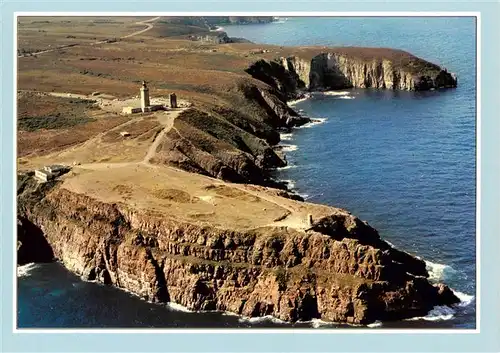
403	161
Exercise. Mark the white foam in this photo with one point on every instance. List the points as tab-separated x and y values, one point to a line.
293	102
390	244
443	312
290	183
25	270
314	122
438	313
438	272
286	136
334	93
337	94
260	319
178	307
375	324
317	323
288	148
465	299
290	166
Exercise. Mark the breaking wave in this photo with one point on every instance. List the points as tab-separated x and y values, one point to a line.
334	93
293	102
267	318
289	183
314	122
286	136
288	148
438	272
337	94
443	312
26	270
465	299
375	324
217	29
439	313
290	166
178	307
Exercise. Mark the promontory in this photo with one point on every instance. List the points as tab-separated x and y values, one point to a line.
171	198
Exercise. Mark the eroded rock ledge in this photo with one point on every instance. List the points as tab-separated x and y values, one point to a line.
337	270
350	67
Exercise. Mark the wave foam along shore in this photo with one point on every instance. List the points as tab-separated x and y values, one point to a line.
286	136
375	324
439	313
290	166
289	183
288	148
334	93
25	270
314	122
294	102
438	272
260	319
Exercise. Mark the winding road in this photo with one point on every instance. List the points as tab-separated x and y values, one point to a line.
145	22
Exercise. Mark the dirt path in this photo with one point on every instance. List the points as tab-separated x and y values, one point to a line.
148	27
295	218
145	22
154	146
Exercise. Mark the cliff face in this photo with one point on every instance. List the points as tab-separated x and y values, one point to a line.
338	270
344	68
232	144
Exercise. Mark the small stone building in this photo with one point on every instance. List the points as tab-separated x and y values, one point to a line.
50	172
43	175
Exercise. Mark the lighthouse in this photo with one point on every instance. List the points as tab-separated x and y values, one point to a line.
144	96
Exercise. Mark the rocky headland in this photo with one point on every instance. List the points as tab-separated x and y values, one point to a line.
351	67
201	223
232	254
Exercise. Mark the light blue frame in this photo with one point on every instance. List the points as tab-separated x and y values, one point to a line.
488	339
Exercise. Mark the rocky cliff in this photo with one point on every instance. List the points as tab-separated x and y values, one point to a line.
341	68
232	142
336	270
211	245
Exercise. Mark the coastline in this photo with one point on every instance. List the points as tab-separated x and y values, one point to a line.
311	123
439	313
436	270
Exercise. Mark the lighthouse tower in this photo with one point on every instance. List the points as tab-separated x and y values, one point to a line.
144	96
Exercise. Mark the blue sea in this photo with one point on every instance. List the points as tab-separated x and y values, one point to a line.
403	161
